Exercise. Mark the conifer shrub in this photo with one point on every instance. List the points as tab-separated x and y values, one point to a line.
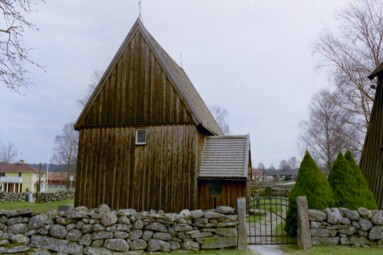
342	183
313	184
365	196
348	184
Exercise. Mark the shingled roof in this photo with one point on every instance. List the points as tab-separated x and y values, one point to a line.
17	168
199	111
225	157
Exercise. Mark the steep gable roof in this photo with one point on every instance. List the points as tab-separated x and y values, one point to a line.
194	103
225	157
376	72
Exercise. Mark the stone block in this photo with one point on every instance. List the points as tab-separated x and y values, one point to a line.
365	213
216	242
325	240
317	215
54	244
351	214
227	232
138	244
190	246
377	217
116	245
365	224
376	233
334	216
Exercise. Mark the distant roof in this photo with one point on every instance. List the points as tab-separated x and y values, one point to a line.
225	157
57	176
377	71
201	114
272	172
17	168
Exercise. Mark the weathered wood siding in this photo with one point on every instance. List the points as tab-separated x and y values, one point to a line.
158	175
136	92
230	190
371	162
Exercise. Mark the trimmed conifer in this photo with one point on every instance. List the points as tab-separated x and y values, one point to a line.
313	184
365	196
344	184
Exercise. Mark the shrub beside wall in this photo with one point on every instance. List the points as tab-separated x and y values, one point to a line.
342	226
312	183
102	231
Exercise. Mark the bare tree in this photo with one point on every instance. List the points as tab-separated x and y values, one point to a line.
8	153
328	129
220	115
94	80
283	165
293	163
14	55
66	148
351	54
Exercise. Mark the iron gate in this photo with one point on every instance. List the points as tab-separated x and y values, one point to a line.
266	221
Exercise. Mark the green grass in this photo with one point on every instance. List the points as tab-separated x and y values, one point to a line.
266	204
331	250
36	207
254	218
212	252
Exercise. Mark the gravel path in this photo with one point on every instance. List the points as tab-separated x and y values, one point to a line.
266	250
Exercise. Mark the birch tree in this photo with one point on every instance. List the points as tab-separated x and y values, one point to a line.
328	129
66	149
14	54
351	53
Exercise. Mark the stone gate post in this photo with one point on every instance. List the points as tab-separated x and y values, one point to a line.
242	234
304	235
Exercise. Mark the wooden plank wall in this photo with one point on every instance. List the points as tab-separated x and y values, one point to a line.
229	192
371	162
137	92
158	175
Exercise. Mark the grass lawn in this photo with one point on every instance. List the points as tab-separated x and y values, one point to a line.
36	207
212	252
331	250
267	204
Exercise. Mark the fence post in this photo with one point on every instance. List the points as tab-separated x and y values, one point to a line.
304	235
242	234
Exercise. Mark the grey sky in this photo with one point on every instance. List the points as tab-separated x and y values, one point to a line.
252	57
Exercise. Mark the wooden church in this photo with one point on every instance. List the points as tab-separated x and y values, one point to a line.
148	141
371	162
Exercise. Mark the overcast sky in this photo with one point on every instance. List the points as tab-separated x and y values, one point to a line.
253	58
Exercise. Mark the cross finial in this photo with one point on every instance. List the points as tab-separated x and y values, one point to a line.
139	10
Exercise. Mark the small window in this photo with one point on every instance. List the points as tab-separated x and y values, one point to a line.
214	188
20	174
141	136
2	174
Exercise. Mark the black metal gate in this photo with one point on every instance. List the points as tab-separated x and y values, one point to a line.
266	221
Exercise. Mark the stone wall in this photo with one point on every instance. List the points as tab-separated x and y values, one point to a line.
342	226
44	197
56	196
102	231
12	197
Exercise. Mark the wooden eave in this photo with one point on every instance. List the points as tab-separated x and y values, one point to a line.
376	72
138	26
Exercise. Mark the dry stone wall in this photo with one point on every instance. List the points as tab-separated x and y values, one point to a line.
12	197
56	196
103	231
44	196
341	226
